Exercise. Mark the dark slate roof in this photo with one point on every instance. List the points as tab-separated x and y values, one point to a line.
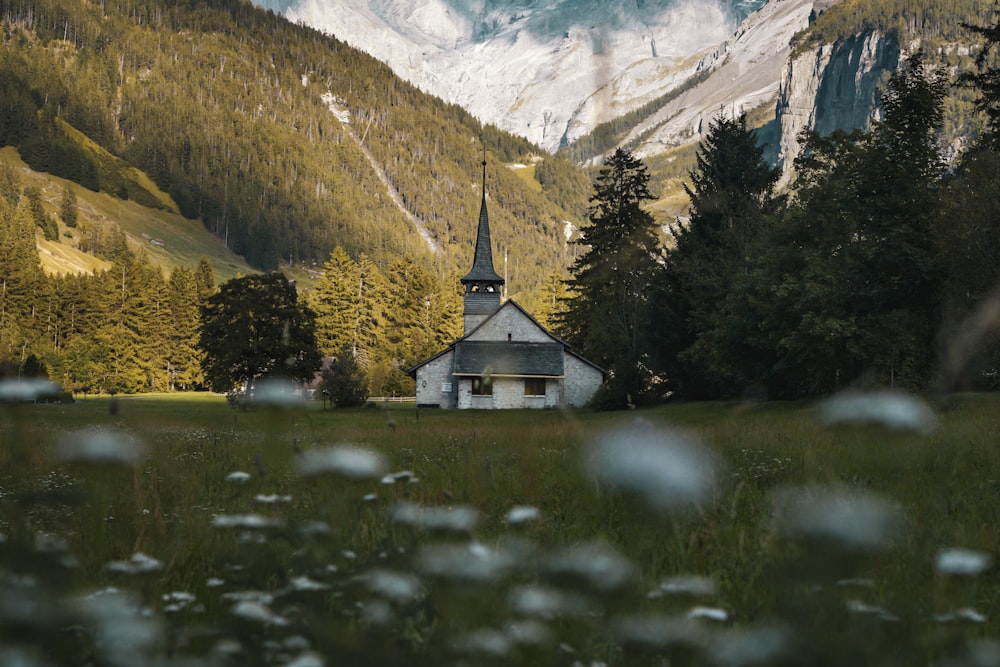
482	261
505	358
510	303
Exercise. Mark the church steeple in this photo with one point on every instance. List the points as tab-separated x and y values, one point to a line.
482	284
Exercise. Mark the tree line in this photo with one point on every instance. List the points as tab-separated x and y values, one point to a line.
125	329
878	264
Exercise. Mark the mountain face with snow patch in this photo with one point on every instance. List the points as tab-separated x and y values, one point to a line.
547	70
553	70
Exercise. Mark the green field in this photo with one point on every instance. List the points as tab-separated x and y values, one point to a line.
801	543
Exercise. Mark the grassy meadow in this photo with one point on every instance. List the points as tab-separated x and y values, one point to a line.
175	530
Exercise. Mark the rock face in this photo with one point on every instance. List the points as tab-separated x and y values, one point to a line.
743	74
549	71
832	87
553	71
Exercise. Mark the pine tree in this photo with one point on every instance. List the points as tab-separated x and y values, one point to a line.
204	281
607	314
334	300
344	382
22	282
986	80
184	358
68	208
854	274
705	307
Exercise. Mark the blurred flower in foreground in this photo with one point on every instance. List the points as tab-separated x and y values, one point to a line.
139	563
100	447
547	603
892	410
655	633
666	468
125	633
26	390
400	587
750	646
278	393
853	522
522	514
460	519
595	564
344	460
248	521
691	585
467	563
963	562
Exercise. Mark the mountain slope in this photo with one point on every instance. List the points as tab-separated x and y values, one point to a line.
168	239
586	77
284	142
546	71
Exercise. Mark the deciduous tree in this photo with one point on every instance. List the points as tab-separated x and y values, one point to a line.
254	327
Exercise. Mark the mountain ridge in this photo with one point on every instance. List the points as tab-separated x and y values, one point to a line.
521	78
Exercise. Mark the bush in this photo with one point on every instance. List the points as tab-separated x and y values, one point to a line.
344	382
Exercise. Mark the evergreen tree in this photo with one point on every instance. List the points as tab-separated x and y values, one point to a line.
970	259
854	274
552	303
132	332
204	280
42	219
607	314
10	184
409	327
68	209
370	319
22	282
986	80
344	382
184	358
705	307
334	301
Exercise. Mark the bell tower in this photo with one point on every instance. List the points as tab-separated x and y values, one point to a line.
482	284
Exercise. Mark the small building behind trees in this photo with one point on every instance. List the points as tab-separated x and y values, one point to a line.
505	359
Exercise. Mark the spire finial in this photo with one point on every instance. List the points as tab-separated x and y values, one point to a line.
482	261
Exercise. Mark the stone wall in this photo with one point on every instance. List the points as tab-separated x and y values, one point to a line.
510	320
432	380
581	382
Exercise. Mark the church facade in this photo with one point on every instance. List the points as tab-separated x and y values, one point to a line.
505	359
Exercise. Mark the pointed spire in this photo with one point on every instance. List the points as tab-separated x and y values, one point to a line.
482	261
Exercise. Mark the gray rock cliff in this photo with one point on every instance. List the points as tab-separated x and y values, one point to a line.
832	87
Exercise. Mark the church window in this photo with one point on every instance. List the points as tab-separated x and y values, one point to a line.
482	386
534	387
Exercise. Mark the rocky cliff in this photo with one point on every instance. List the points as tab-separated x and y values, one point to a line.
832	87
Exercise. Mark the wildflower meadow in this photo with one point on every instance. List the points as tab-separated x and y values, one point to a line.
176	530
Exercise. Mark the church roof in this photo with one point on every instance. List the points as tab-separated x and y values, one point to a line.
507	358
482	261
510	361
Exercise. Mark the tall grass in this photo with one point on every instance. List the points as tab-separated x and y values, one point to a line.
337	576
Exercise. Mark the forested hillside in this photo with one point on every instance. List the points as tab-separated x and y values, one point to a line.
285	142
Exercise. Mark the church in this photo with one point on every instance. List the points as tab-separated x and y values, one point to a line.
505	359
